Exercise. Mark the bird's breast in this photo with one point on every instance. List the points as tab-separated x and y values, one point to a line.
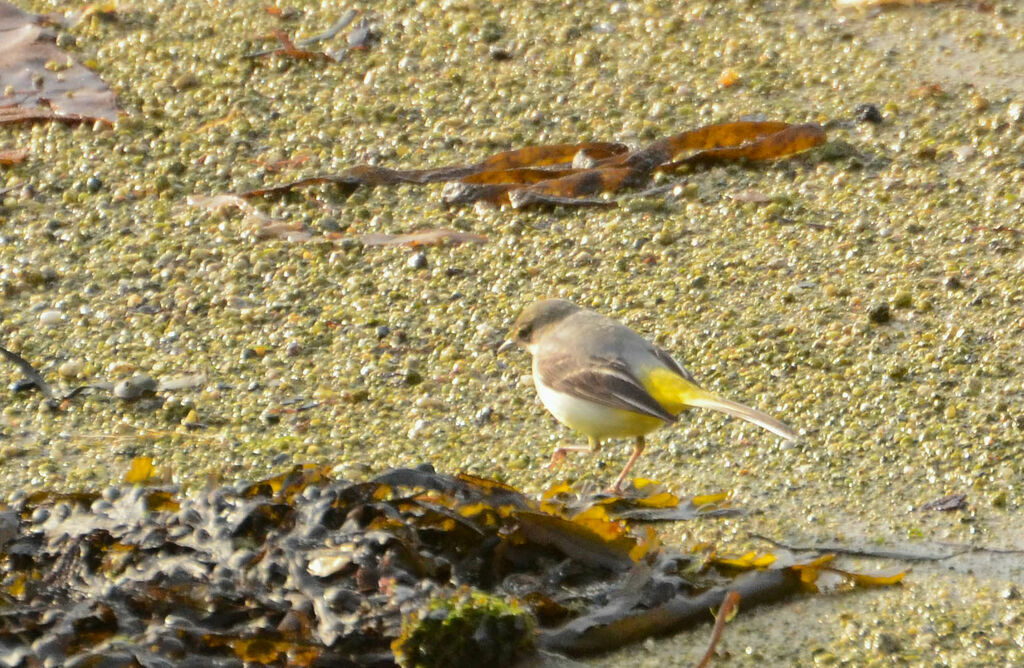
591	418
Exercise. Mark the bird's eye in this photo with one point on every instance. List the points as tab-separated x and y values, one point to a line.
523	333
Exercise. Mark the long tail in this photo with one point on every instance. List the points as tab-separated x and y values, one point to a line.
715	403
676	393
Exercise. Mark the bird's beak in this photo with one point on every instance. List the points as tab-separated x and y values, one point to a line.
505	346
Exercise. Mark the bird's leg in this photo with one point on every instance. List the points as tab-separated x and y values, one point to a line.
637	449
559	454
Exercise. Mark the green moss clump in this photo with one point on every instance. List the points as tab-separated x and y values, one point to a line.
468	628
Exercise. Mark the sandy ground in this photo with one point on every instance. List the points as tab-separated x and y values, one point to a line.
107	271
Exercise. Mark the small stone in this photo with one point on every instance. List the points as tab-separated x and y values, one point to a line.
483	416
329	225
867	113
953	283
93	184
293	349
903	299
70	369
418	261
897	372
429	403
879	314
973	387
887	643
192	421
135	387
1015	112
699	282
664	238
185	81
50	318
355	396
40	515
382	331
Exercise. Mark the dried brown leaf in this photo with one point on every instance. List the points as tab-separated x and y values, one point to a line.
551	154
13	156
787	141
41	81
570	174
518	175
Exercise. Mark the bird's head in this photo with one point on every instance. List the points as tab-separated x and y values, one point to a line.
534	320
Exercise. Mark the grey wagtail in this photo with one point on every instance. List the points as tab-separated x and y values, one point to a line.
599	377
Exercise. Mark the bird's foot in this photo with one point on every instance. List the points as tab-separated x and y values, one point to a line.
558	456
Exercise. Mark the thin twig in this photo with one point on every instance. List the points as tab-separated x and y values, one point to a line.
338	26
861	552
980	548
732	599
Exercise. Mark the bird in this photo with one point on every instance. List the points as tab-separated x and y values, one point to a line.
599	377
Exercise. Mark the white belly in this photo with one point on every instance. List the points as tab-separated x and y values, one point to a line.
594	419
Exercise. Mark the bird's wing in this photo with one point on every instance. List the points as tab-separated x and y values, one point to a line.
665	358
602	381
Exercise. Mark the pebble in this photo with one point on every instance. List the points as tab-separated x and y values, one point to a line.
903	299
418	261
879	314
430	403
70	369
483	415
50	318
867	113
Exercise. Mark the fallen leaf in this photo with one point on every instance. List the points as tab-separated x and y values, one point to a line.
947	503
41	82
140	472
578	174
13	156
